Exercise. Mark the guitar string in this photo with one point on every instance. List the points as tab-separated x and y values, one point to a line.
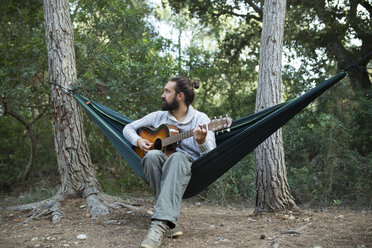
180	136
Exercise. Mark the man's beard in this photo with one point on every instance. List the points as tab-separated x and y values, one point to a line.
173	105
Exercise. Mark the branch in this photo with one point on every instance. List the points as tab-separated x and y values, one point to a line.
40	115
366	50
246	17
34	106
232	13
342	55
17	116
73	15
367	6
256	8
257	18
352	14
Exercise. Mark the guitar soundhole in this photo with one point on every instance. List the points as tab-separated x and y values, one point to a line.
157	144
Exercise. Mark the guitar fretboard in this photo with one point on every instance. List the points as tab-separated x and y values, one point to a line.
177	137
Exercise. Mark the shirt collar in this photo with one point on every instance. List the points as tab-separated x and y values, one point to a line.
190	114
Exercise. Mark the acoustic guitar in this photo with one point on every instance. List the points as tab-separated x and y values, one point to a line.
166	137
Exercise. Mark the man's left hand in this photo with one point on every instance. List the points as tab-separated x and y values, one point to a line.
200	134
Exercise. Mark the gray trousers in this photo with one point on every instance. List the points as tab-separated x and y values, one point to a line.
168	178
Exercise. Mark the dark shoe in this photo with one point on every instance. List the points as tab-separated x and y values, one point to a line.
155	234
174	232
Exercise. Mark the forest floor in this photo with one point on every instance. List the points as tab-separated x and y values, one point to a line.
204	225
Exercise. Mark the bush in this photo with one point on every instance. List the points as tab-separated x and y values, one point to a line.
236	185
326	152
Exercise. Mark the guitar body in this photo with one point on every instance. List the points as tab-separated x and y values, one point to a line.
156	136
166	137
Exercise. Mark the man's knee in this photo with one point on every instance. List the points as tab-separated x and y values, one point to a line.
180	157
153	154
181	162
153	160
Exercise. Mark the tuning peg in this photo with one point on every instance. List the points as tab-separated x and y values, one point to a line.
228	130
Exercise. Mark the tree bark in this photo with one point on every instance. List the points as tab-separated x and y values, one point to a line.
78	177
271	180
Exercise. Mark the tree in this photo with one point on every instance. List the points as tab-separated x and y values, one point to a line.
339	30
325	35
120	60
75	166
78	177
271	181
321	32
239	46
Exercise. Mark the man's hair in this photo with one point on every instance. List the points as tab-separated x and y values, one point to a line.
185	85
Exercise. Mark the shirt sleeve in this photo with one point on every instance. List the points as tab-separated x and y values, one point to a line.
130	130
210	141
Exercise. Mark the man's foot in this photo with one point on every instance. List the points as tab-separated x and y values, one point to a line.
154	235
174	232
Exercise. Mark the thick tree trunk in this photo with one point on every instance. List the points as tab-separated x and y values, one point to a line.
78	178
77	173
271	181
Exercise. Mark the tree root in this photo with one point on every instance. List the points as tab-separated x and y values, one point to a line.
98	204
49	207
117	202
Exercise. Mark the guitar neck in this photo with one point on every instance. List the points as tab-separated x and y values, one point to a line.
178	137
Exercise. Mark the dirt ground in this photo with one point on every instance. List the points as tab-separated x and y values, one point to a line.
203	226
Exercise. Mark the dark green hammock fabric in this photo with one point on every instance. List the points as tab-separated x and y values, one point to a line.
246	134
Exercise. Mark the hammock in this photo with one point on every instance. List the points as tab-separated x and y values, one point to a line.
245	134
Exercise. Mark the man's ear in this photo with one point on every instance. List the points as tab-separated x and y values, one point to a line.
181	96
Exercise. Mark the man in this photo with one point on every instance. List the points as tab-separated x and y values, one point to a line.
170	176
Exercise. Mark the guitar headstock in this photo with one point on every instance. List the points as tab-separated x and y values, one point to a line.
218	124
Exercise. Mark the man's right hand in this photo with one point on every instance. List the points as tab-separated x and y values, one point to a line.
144	144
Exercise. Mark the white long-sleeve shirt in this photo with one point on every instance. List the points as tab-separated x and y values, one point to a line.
192	120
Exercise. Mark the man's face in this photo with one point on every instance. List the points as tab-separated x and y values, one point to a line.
169	97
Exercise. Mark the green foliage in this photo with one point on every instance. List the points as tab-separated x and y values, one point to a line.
32	192
361	120
235	186
123	63
119	58
12	156
325	32
23	87
23	60
14	153
117	178
322	160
